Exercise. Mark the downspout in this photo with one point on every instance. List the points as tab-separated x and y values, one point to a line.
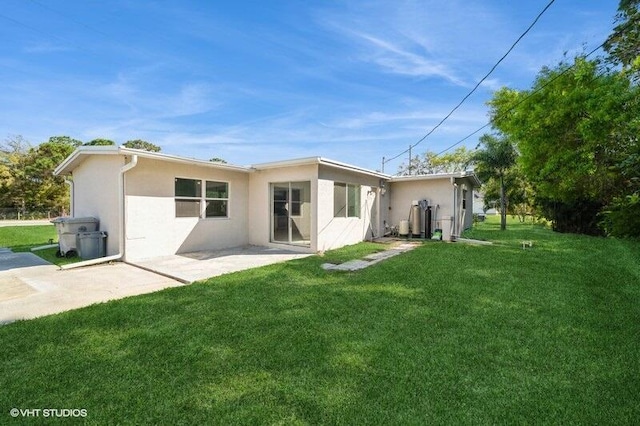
71	196
454	233
130	165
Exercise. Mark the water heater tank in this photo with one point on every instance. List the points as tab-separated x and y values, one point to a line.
403	229
415	219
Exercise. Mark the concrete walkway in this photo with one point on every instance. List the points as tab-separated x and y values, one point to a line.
31	287
33	290
372	259
190	267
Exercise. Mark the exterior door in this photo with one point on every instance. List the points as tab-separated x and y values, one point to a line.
291	213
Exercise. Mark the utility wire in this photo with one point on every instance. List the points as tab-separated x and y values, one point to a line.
524	99
476	86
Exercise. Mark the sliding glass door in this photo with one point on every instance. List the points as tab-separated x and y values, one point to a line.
291	213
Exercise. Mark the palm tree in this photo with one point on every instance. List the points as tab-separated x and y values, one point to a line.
493	162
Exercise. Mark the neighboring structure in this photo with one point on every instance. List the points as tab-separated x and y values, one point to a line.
153	204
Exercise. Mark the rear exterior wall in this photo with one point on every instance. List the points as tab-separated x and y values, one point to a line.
96	194
334	232
152	228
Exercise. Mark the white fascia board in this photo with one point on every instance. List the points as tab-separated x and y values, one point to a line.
184	160
319	161
81	152
77	156
457	175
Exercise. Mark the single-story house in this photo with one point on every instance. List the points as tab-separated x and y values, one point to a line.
154	204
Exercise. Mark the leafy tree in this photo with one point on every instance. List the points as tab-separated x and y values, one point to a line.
65	140
575	128
623	45
218	160
429	163
493	163
144	145
518	190
11	152
33	185
100	142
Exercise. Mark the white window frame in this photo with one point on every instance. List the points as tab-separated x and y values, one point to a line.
202	198
345	212
187	198
205	199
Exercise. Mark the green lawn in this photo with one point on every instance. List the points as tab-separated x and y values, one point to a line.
23	238
445	334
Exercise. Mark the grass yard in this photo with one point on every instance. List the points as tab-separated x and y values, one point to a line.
445	334
23	238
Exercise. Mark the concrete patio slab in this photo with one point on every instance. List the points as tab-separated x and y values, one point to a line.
190	267
34	291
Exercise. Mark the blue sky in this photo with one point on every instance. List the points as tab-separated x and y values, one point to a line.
262	81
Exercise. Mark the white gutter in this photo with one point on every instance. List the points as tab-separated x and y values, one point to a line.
71	196
130	165
454	234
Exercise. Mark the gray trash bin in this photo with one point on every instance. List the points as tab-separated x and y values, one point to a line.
91	245
68	228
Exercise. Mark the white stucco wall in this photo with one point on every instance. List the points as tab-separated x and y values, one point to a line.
96	194
259	204
445	198
151	226
438	192
334	232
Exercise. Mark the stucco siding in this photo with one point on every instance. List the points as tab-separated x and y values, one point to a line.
152	228
96	194
334	232
259	203
438	192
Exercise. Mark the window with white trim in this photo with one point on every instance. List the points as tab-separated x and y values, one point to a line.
188	197
195	199
346	200
216	199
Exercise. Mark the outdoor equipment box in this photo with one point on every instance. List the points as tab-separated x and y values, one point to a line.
91	245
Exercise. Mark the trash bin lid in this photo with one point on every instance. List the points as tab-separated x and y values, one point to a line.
75	220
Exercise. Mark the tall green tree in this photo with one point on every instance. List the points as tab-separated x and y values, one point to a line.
518	191
430	162
572	129
100	142
493	162
11	152
623	45
143	145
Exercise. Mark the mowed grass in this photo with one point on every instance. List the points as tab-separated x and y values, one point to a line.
445	334
23	238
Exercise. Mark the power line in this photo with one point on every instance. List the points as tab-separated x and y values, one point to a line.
525	98
476	86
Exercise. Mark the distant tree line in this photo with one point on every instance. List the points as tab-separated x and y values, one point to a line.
27	183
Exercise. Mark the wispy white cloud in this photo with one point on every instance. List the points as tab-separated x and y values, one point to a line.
397	59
